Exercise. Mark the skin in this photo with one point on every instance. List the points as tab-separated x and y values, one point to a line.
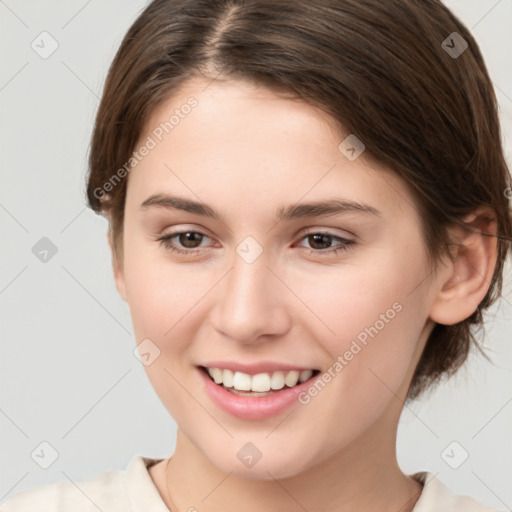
246	151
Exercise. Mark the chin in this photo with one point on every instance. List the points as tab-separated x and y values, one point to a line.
276	465
267	472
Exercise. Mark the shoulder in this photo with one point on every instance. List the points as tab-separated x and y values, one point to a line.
111	491
436	497
81	496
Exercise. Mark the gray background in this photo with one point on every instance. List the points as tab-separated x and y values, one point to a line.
68	374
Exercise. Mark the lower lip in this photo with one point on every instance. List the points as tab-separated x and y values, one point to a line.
253	408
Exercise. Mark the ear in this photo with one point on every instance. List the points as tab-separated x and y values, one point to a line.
465	280
117	267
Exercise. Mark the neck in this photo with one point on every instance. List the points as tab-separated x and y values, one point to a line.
363	477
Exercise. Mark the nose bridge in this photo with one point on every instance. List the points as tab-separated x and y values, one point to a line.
250	303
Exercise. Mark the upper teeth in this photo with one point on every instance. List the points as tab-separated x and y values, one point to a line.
260	382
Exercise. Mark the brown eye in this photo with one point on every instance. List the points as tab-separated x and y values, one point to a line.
189	239
186	241
319	239
321	243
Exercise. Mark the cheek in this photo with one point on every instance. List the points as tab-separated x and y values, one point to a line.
159	293
371	361
370	322
161	298
355	296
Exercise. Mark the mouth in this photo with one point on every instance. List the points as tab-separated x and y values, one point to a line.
260	384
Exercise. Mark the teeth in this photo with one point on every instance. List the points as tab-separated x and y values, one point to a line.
242	381
305	375
216	374
226	378
277	380
291	378
259	383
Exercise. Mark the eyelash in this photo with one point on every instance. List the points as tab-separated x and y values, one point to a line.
345	245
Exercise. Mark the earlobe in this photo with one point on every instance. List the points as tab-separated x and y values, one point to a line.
117	268
465	281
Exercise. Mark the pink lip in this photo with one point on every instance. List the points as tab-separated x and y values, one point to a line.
254	368
252	408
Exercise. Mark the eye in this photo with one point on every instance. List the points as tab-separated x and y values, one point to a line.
190	240
317	238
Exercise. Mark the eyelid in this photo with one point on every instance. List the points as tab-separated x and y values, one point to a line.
184	228
328	231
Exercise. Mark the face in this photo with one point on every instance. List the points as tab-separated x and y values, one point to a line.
252	280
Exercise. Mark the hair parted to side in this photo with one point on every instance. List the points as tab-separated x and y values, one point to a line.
378	68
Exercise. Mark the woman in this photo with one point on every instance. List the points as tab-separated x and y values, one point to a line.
308	215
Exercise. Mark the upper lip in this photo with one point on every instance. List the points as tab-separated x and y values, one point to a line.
254	368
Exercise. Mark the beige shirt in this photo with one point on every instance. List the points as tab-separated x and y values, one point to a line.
133	490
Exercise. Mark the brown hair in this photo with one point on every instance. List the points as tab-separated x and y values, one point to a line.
380	69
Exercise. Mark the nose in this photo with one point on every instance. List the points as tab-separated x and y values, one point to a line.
251	302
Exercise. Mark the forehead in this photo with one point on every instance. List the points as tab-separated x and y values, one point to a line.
247	144
240	111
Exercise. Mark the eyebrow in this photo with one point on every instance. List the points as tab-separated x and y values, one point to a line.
302	210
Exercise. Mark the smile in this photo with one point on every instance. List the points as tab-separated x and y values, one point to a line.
260	384
255	391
